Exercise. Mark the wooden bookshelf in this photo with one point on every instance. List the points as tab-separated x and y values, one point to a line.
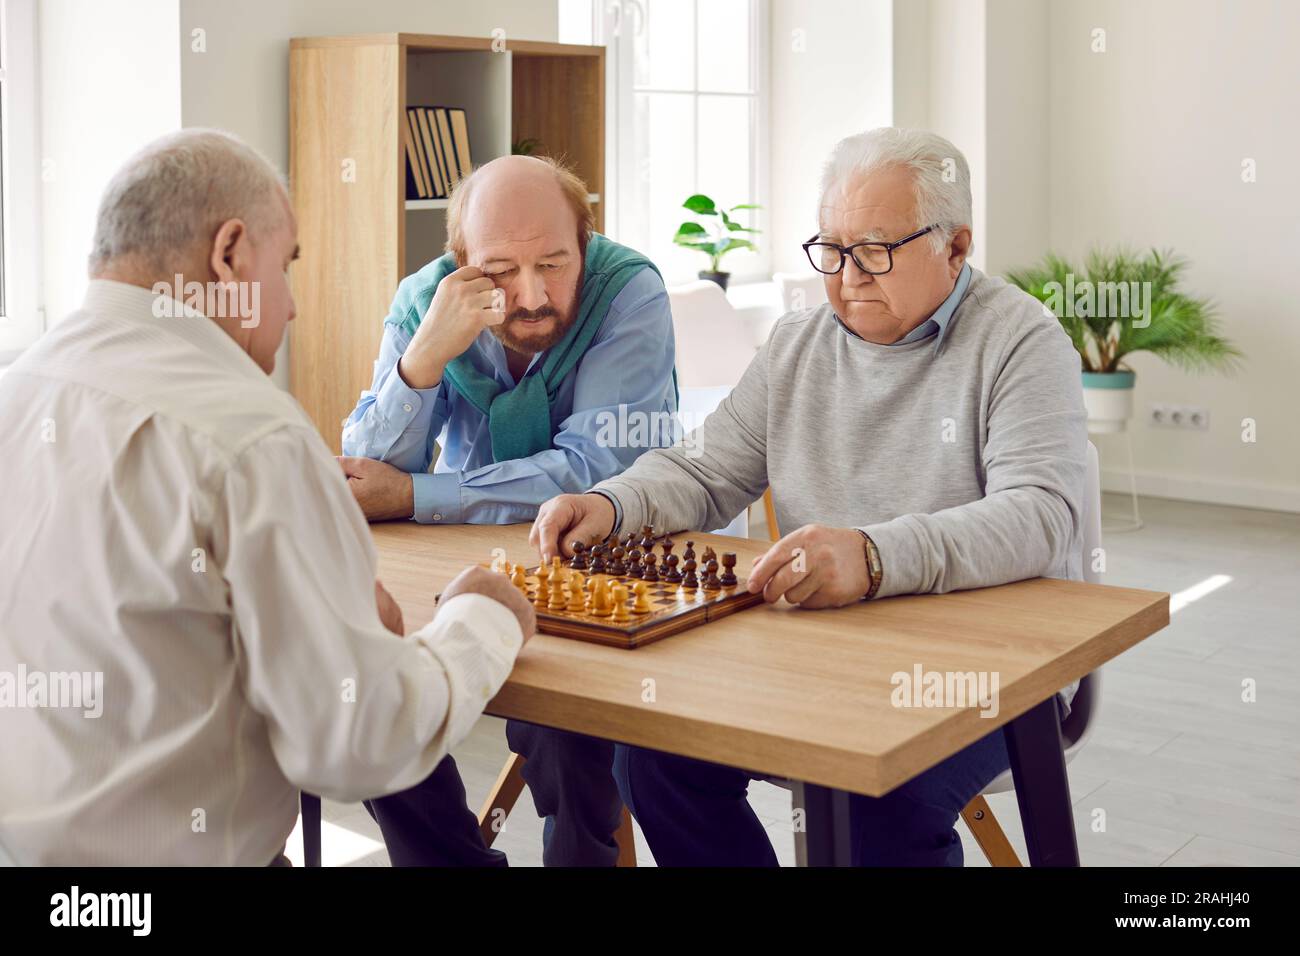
359	233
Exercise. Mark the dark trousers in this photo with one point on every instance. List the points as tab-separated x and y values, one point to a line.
695	813
569	776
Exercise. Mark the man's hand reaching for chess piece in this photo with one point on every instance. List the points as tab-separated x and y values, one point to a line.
814	567
566	518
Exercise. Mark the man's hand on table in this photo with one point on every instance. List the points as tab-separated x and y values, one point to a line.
499	588
382	491
814	567
588	518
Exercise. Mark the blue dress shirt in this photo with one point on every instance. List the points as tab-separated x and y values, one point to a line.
626	376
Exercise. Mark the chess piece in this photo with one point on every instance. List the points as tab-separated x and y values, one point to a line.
634	566
620	603
616	566
689	553
689	580
728	578
543	594
711	582
577	594
579	560
642	592
518	580
557	602
597	559
667	545
650	574
709	555
600	601
672	575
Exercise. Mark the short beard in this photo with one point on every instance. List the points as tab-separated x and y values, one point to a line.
531	345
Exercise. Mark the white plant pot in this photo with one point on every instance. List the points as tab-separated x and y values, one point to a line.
1108	397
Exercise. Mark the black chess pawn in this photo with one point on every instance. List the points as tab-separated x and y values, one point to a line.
597	565
689	553
579	561
672	575
667	546
689	580
616	566
634	563
649	574
728	578
711	582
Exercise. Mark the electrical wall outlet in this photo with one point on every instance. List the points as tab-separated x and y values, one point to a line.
1191	417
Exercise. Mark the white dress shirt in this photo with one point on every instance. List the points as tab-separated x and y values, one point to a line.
173	528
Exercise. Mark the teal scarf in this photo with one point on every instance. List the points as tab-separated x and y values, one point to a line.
519	419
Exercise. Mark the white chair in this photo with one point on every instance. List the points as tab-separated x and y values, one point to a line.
1082	719
714	347
800	290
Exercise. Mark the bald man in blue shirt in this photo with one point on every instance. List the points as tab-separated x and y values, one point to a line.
538	354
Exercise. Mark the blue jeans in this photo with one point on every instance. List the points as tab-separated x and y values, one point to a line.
695	813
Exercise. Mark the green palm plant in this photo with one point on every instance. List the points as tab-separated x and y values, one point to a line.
722	238
1180	328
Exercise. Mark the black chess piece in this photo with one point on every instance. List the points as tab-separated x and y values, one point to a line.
689	580
728	578
709	555
667	546
579	561
650	574
598	559
672	575
711	582
616	566
689	553
634	563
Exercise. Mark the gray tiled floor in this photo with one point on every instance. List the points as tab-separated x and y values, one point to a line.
1180	771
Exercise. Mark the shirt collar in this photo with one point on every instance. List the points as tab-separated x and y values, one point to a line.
939	321
134	303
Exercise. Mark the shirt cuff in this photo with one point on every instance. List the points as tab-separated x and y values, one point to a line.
475	640
437	498
900	557
627	507
399	404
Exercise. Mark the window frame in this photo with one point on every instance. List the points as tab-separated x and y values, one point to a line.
22	319
613	27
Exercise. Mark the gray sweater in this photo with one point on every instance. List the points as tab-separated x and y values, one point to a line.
965	465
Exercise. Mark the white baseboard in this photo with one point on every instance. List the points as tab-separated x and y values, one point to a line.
1180	488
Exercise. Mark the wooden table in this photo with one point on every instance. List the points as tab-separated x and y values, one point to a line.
806	695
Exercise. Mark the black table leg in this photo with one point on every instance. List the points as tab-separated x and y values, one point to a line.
310	804
826	821
1042	789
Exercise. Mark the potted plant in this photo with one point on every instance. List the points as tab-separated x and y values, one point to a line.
1122	303
716	241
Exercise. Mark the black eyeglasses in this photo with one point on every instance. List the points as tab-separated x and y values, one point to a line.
874	258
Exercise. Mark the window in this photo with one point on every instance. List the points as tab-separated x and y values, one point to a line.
688	114
20	318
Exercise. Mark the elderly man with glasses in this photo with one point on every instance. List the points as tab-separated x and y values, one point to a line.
922	432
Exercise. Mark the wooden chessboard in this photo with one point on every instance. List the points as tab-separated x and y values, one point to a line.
673	609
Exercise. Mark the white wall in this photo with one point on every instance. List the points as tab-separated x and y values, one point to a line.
847	47
109	83
1147	142
240	82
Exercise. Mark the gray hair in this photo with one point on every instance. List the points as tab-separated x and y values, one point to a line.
941	176
175	193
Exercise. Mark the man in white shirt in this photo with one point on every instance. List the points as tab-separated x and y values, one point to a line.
190	625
